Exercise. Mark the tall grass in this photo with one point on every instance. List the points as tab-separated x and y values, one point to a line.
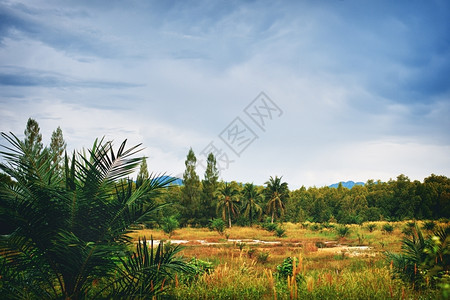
237	273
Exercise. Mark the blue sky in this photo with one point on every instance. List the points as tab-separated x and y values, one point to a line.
359	89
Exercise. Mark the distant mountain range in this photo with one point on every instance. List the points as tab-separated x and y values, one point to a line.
176	181
348	184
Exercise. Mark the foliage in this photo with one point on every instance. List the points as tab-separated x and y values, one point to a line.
276	193
429	225
145	272
280	232
394	200
270	226
169	224
387	228
314	227
262	256
342	231
251	208
210	185
201	266
70	229
228	202
33	137
143	172
371	227
217	225
424	261
190	198
286	269
57	147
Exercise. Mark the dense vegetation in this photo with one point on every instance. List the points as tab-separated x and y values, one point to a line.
68	224
395	200
69	229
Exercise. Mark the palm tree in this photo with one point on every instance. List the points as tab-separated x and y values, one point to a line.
276	192
70	228
251	207
228	200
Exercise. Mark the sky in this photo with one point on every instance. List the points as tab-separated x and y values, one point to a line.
315	91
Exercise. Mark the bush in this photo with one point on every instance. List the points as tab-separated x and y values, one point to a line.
251	252
217	225
262	256
270	226
286	268
280	232
371	227
387	228
169	224
328	225
201	266
342	231
314	227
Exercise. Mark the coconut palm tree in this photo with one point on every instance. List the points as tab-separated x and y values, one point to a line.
70	229
276	192
228	201
251	207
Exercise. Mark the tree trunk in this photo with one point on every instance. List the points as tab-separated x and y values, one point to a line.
229	218
273	214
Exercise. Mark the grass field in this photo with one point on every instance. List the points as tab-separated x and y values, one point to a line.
329	266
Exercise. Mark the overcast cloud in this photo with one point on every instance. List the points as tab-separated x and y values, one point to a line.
362	87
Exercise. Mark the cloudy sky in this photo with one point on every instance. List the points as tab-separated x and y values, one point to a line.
314	91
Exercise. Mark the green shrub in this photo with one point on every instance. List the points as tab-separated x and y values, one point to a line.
217	225
251	252
280	232
342	231
314	227
285	269
169	224
328	225
270	226
387	228
371	227
240	246
262	256
201	266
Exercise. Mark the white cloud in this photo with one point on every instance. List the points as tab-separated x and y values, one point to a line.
174	76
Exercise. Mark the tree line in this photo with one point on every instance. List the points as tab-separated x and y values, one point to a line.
199	200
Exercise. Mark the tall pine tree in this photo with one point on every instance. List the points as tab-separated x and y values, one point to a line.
191	191
33	137
57	147
209	194
143	172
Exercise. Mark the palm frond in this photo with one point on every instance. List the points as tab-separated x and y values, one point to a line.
146	271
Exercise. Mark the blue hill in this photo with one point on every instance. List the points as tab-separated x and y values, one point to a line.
348	184
176	180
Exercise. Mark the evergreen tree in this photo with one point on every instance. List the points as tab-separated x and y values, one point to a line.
210	185
191	190
33	137
143	172
57	147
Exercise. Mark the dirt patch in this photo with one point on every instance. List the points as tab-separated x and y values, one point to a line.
350	251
